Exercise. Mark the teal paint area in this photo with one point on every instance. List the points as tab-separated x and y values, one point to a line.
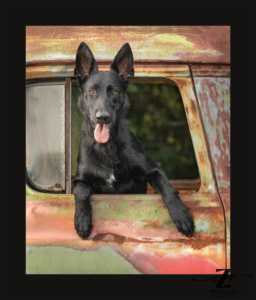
203	225
63	260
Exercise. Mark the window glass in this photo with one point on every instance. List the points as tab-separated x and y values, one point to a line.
45	136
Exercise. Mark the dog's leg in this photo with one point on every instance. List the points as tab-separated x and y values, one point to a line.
177	210
83	215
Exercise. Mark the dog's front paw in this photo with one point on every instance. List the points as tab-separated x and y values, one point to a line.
83	224
182	219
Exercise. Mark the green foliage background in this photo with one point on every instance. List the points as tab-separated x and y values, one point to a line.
157	118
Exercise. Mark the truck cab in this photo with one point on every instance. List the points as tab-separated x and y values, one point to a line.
131	234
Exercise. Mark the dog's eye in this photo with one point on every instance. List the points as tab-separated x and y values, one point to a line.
92	91
114	92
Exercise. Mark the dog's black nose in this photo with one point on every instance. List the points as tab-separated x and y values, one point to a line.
102	116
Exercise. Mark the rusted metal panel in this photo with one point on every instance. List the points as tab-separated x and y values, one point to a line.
186	44
137	227
210	70
214	99
186	184
144	70
182	186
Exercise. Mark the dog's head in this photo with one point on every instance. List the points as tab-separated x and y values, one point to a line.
103	97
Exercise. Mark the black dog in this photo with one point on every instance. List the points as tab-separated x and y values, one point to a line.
111	160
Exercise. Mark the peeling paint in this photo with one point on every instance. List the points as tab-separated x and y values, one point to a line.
224	183
215	109
170	43
138	228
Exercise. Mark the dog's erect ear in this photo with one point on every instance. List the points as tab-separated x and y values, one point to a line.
123	63
85	64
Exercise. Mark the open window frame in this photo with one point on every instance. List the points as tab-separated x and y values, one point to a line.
150	73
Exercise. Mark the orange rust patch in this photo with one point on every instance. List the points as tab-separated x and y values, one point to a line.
201	157
218	139
119	239
202	242
210	211
198	241
152	224
182	83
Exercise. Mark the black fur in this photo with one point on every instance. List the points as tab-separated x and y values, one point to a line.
122	155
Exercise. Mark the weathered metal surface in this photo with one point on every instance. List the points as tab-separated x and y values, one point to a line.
68	136
146	70
207	44
197	135
186	184
214	99
210	70
137	227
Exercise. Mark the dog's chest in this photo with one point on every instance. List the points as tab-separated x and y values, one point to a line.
110	180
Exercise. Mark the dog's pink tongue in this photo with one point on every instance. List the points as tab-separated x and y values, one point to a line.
101	133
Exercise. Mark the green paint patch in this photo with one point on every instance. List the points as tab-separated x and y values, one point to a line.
154	211
223	183
201	224
62	260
